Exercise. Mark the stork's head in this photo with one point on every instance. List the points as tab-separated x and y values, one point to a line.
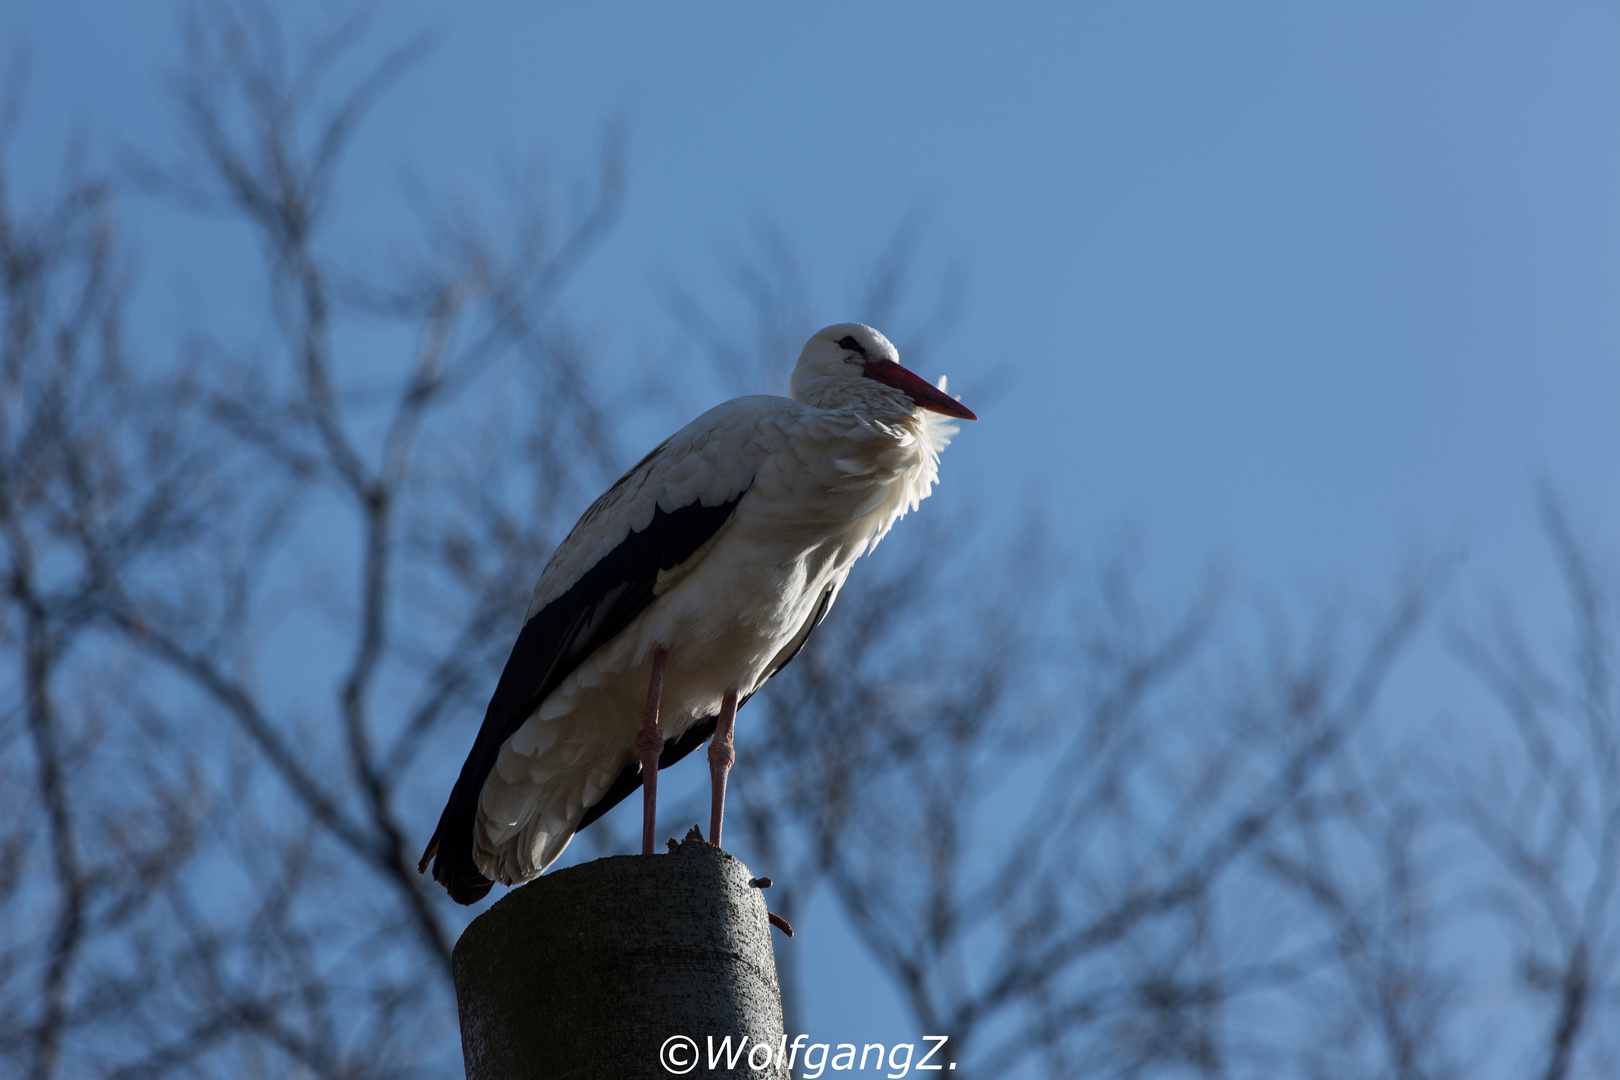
852	364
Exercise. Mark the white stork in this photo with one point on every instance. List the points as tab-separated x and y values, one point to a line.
695	578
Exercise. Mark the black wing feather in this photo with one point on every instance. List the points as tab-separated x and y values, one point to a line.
605	600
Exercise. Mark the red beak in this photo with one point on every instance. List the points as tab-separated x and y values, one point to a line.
917	389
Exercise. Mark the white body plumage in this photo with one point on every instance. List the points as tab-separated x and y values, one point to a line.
822	487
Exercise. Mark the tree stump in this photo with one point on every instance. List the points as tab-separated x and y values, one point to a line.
630	966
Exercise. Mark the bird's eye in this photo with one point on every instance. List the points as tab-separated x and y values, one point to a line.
852	345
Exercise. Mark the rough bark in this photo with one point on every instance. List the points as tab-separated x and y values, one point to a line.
592	971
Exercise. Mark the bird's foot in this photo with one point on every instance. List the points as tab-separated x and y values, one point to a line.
722	756
776	920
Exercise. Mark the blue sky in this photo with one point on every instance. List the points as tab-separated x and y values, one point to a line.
1293	286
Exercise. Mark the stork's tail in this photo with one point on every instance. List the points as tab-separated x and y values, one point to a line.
453	865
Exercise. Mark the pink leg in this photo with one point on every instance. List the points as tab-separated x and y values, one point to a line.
721	758
650	744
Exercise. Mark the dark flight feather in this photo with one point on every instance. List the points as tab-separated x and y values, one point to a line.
604	600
